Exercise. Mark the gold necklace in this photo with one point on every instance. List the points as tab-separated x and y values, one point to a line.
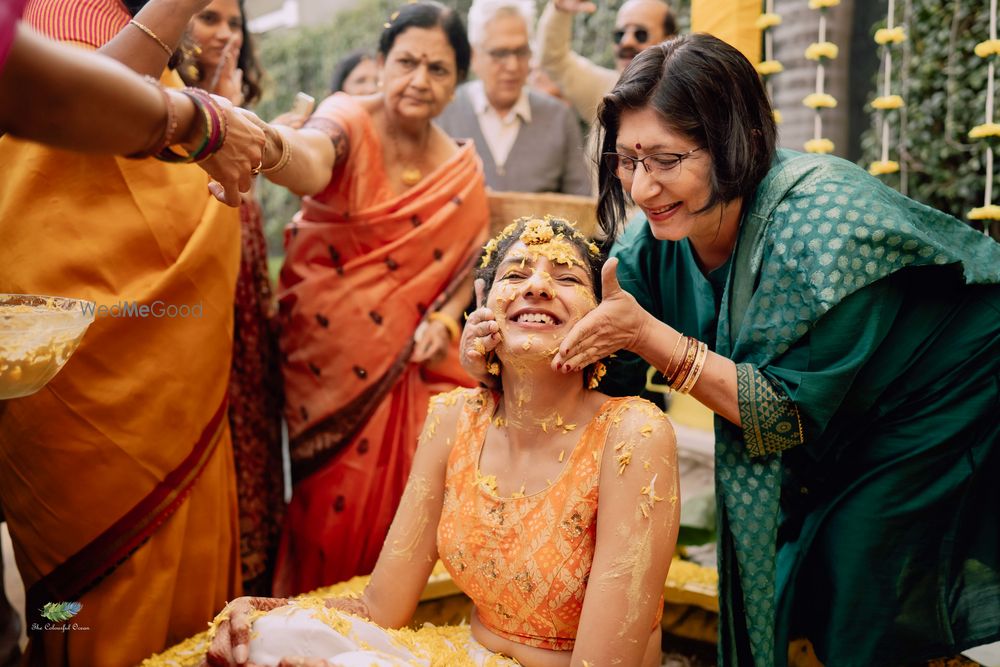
410	174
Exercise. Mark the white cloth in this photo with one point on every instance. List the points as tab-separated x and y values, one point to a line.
298	631
500	131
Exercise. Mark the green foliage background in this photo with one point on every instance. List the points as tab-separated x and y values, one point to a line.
944	85
303	59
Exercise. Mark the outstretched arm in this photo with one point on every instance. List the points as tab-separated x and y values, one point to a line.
69	98
583	83
637	523
303	159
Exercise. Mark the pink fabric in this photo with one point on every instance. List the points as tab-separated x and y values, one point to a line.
10	13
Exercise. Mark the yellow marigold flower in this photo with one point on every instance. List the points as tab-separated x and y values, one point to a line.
819	101
991	212
778	118
769	67
820	50
881	167
823	4
985	130
819	146
767	20
991	47
885	102
890	36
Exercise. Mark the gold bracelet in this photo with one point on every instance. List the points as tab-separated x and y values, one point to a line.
283	159
670	359
152	35
699	364
682	376
672	378
448	321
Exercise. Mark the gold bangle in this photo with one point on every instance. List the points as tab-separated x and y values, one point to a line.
670	359
283	159
448	321
152	35
699	364
689	342
682	376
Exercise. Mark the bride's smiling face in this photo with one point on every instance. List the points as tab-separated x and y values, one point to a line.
540	291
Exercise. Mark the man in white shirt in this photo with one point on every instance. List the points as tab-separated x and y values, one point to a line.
639	25
528	141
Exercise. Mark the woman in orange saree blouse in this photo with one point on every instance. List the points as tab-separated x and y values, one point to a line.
376	277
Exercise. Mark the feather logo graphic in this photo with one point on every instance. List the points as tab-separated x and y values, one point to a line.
60	611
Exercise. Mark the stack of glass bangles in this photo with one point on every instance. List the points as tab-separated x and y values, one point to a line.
685	374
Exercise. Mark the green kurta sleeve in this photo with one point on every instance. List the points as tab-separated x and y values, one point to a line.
666	281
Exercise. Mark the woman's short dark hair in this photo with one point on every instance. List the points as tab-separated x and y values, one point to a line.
345	66
430	14
706	90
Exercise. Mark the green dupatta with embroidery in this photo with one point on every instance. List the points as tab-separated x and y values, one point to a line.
819	234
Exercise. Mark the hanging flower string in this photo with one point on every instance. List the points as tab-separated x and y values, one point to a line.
988	131
769	66
820	51
887	37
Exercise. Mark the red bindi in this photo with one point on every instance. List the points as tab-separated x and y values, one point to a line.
638	147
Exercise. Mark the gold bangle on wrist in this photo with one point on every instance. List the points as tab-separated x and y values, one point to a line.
691	351
670	359
448	321
283	159
695	373
152	35
673	380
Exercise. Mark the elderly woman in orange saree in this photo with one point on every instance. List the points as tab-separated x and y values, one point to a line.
376	277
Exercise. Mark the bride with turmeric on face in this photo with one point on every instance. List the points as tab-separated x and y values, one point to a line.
504	490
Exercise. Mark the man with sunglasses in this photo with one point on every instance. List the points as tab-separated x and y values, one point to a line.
639	25
528	141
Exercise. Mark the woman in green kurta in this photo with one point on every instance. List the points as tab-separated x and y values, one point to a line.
855	370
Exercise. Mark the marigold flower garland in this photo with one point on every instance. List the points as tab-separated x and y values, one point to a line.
769	66
988	131
820	51
887	38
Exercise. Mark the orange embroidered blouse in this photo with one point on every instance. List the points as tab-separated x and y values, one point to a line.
525	560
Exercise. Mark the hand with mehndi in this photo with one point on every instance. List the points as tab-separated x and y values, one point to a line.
231	643
618	323
480	336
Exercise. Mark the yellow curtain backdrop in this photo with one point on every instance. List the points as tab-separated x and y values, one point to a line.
732	21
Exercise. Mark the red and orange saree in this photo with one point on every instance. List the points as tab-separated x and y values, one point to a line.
363	267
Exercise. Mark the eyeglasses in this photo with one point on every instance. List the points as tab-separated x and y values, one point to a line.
664	167
498	56
640	34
